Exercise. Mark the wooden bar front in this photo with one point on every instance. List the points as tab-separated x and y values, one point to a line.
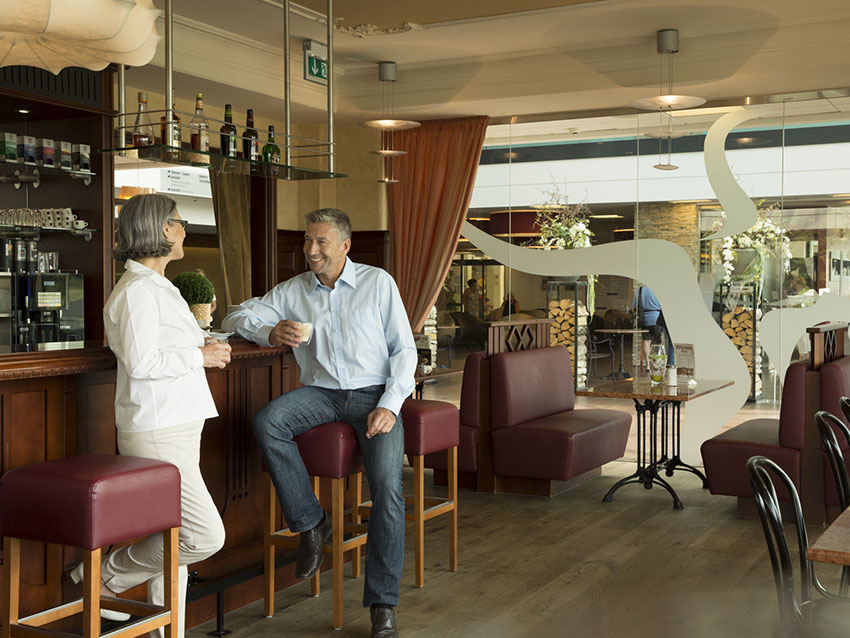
61	403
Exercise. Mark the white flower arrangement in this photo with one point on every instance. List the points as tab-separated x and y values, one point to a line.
564	226
767	237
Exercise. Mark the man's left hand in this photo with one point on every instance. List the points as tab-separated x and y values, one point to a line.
380	421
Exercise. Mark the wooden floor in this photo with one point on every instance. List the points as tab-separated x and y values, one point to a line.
566	566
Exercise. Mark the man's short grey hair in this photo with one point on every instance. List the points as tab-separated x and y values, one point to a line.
333	216
139	232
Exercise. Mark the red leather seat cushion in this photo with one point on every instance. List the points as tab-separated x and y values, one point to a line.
429	426
792	411
467	452
89	501
834	384
725	457
470	391
330	450
529	385
561	446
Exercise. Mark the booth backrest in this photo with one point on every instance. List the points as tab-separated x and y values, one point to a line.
792	413
834	384
470	391
530	384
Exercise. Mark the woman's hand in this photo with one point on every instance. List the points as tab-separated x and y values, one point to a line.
216	354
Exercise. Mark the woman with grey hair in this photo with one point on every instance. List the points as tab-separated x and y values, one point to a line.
161	393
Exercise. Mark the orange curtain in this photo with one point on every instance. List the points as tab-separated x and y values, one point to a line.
428	206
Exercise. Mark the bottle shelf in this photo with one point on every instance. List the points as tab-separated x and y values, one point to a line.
173	155
32	175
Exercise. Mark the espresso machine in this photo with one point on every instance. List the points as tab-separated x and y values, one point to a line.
38	307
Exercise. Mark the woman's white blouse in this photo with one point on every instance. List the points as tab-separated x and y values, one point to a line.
161	379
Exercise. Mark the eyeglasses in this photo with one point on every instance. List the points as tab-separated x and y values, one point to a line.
182	222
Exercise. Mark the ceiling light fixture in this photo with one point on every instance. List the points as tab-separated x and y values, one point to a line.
667	44
388	124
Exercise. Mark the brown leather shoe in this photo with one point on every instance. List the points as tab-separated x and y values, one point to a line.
383	622
308	557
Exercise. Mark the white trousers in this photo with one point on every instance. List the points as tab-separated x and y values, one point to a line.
201	533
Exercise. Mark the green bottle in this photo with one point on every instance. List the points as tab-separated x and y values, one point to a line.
271	152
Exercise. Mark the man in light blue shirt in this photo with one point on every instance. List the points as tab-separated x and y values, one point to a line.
357	365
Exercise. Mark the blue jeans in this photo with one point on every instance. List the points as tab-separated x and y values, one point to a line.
298	411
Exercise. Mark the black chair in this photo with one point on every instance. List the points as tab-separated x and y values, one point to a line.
595	345
594	354
844	402
824	420
801	614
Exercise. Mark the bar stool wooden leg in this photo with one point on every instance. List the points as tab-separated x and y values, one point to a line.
419	517
452	468
11	583
269	516
315	582
171	577
357	498
337	551
91	593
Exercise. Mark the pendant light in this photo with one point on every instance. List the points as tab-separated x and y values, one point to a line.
667	44
388	124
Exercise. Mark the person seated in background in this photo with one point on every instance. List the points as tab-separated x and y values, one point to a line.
510	306
472	299
797	280
651	318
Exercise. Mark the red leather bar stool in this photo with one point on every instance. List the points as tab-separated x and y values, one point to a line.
329	451
431	426
90	502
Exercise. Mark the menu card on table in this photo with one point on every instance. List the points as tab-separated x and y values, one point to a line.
685	361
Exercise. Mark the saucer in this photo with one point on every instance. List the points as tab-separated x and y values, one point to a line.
221	336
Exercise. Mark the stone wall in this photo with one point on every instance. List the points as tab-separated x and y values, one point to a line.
677	223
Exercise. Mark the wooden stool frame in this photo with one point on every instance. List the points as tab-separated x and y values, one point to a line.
336	548
426	508
152	616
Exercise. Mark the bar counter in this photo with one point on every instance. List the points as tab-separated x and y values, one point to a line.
60	402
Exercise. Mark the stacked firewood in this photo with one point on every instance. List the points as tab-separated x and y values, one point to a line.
739	325
569	328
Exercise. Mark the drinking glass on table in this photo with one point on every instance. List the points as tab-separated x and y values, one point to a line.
657	363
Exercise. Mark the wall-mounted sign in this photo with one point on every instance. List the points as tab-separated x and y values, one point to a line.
315	62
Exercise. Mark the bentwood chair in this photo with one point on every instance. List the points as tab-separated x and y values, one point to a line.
844	402
801	613
827	425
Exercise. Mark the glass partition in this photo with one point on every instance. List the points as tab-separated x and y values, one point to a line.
736	218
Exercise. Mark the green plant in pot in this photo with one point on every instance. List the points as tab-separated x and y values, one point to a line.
198	292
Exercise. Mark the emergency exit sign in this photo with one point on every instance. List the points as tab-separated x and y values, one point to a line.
315	62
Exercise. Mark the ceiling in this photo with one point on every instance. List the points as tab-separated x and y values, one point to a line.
555	60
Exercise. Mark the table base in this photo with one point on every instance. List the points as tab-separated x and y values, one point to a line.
619	373
649	463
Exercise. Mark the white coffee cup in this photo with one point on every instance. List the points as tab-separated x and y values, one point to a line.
306	329
79	224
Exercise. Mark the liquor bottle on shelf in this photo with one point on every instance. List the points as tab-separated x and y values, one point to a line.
142	127
228	133
271	152
250	139
200	127
174	118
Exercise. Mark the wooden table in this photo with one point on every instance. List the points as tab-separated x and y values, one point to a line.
833	546
650	400
620	373
435	373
